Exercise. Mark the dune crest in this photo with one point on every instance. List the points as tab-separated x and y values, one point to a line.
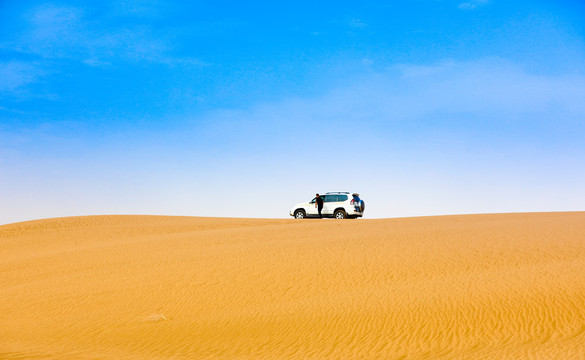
153	287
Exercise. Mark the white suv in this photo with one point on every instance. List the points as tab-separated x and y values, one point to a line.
338	205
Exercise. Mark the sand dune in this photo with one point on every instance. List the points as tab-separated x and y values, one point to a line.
509	286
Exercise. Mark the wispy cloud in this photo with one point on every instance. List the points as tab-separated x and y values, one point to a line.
473	4
15	75
52	32
491	90
56	33
493	85
140	8
65	32
357	23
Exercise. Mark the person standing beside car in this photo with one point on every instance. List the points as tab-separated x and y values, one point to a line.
319	204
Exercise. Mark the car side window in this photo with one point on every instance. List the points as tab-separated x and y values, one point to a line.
313	201
330	198
341	197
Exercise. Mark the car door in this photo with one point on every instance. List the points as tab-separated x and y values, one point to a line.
312	210
329	204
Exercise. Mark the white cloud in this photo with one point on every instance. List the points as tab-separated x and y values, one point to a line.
140	8
96	63
490	90
489	86
15	75
357	23
52	31
472	4
55	33
65	32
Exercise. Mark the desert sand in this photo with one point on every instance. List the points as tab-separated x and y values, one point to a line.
502	286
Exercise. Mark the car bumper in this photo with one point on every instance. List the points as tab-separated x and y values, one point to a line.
355	213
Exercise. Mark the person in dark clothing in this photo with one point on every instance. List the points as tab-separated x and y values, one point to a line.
319	204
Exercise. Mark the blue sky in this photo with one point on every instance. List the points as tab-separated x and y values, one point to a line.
245	108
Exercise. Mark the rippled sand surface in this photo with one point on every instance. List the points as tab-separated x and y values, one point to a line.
506	286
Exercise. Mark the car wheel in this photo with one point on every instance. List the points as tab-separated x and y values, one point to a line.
339	214
300	214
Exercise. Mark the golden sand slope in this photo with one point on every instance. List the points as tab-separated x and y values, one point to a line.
506	286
